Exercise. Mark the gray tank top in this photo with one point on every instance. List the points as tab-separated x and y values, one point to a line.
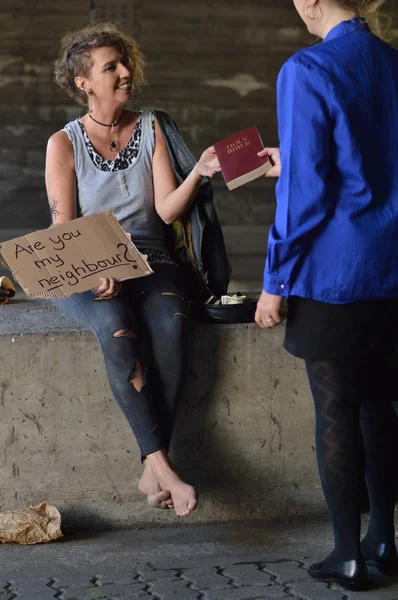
128	193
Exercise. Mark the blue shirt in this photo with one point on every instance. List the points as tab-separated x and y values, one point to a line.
335	235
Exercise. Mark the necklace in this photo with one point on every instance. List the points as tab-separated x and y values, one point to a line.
113	142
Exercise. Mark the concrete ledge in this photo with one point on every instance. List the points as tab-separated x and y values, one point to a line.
244	433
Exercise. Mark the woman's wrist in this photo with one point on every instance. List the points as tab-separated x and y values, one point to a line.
196	175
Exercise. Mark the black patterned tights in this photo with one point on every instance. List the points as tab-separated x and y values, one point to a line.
356	434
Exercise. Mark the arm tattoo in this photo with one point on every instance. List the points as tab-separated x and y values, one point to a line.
53	208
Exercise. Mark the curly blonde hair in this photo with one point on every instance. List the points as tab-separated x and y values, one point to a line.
75	58
369	10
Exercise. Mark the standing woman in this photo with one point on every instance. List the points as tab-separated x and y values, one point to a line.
333	253
116	159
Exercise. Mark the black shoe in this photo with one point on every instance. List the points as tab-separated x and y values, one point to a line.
384	557
350	574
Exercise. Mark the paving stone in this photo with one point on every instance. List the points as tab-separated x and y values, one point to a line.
128	596
275	591
312	590
36	595
244	593
151	576
113	576
5	589
74	579
383	593
114	589
173	590
210	561
81	594
9	588
212	577
286	571
204	579
247	575
33	588
5	592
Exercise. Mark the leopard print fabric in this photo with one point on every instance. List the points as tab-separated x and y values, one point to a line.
158	257
124	159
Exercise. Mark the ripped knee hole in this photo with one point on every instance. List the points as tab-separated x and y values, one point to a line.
127	333
177	314
137	376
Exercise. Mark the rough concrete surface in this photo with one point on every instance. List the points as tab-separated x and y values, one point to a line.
256	561
211	89
244	433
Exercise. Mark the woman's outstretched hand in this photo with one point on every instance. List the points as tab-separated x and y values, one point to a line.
208	164
109	288
269	313
275	157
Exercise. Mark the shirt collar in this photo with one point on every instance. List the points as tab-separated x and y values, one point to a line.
357	24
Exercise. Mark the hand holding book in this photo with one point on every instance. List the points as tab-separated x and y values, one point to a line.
242	157
208	164
275	158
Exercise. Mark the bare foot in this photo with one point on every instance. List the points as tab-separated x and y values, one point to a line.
160	499
184	496
148	485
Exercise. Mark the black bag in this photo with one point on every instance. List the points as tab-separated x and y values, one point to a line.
196	239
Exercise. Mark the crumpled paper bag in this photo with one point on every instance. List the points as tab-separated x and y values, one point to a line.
33	525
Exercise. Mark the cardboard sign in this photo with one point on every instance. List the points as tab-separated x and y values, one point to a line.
71	257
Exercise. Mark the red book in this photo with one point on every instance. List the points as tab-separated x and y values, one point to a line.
238	158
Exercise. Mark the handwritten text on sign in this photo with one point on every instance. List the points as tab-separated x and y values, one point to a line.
78	271
60	260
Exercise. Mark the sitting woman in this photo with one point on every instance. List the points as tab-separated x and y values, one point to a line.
116	159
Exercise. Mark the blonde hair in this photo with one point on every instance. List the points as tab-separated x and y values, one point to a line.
369	10
75	56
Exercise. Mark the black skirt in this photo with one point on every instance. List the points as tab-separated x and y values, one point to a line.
321	331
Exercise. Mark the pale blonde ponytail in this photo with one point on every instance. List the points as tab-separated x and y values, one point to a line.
370	11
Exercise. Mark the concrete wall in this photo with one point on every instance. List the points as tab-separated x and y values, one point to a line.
31	106
212	64
244	433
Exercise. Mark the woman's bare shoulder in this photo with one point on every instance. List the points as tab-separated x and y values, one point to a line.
60	141
60	149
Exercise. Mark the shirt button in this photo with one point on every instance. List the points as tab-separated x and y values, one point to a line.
282	286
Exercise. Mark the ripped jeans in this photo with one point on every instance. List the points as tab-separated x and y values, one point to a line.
140	333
